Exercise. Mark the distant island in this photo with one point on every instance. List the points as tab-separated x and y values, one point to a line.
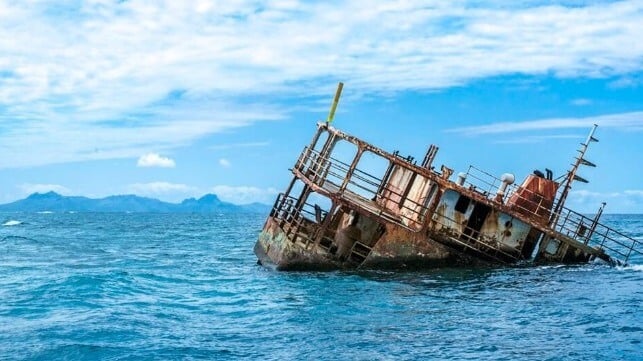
54	202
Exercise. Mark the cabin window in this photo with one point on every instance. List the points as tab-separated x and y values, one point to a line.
366	180
462	204
321	141
316	207
429	198
552	246
341	156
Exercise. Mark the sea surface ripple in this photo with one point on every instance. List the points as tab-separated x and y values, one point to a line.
87	286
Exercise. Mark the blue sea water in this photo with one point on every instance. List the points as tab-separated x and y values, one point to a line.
80	286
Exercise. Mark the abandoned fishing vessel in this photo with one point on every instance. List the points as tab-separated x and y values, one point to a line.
337	213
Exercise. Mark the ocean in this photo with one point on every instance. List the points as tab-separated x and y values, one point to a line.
117	286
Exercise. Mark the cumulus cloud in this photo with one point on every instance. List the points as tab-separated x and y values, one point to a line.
106	79
29	188
225	163
244	194
155	160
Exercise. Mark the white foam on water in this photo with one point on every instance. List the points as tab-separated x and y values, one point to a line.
45	212
636	267
551	266
631	267
11	223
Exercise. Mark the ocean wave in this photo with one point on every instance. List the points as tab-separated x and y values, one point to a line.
635	267
117	286
12	223
631	267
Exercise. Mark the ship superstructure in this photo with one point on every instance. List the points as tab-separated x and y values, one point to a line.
351	204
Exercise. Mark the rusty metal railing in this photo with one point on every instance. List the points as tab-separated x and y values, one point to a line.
597	235
569	223
296	218
485	183
337	177
527	202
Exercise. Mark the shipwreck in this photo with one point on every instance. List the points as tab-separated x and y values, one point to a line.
353	205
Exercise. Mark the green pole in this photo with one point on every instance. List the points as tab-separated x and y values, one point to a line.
333	107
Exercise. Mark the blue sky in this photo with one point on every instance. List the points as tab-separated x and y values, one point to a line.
174	99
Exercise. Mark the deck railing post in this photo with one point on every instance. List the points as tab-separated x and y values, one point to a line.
630	251
321	231
351	169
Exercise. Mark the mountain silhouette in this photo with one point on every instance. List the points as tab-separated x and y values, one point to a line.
54	202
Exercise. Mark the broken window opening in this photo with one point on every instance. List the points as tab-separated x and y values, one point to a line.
462	204
365	180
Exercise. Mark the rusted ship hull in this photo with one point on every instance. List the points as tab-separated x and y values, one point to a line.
275	249
399	249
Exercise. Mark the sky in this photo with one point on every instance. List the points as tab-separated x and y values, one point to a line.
176	99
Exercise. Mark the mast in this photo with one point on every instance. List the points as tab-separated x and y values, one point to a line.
572	176
333	107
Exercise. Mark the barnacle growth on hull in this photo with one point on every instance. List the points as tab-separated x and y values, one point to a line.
337	213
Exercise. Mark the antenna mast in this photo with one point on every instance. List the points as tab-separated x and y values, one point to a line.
571	176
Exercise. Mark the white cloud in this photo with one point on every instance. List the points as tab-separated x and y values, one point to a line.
627	81
632	121
245	194
531	139
581	102
29	188
225	163
634	193
160	188
155	160
178	192
106	79
585	201
239	145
